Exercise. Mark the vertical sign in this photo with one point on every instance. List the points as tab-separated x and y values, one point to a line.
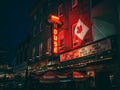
55	41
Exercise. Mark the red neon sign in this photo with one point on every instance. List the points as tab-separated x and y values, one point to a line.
54	19
55	41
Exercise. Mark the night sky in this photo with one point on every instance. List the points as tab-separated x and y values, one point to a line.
14	23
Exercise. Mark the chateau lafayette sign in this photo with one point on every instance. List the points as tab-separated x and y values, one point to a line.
87	50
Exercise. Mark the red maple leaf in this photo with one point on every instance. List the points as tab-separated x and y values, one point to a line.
79	29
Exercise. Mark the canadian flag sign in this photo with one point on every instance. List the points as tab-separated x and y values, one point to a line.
80	30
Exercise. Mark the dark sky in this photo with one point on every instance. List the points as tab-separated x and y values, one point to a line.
14	23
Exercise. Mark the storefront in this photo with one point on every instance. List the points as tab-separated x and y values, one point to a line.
98	61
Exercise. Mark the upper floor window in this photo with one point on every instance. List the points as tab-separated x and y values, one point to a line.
41	26
61	41
34	31
41	10
33	53
40	49
48	50
60	10
96	2
35	17
74	3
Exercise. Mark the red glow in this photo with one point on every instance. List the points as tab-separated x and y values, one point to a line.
55	41
55	17
79	75
55	31
55	38
55	50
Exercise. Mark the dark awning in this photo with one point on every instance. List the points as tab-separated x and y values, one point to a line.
64	78
49	77
72	76
78	76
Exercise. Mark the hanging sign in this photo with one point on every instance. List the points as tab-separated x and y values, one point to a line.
55	41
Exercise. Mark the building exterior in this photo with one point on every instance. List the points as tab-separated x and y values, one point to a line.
3	57
3	60
87	41
22	53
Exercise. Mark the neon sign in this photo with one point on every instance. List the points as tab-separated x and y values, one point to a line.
55	41
54	19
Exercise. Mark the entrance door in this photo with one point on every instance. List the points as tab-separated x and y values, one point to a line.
81	86
102	81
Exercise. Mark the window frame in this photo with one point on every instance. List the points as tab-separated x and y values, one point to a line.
60	10
40	27
74	3
61	48
40	49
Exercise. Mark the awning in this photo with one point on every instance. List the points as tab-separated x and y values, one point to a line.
64	78
34	75
49	77
78	76
72	76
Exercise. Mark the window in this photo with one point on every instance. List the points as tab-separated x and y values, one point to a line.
74	3
34	31
35	17
96	2
81	31
77	41
40	49
33	53
61	40
40	26
41	11
60	10
48	51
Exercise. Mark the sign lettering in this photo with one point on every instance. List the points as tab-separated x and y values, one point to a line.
55	41
87	50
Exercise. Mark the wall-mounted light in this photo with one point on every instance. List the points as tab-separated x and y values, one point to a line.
54	19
